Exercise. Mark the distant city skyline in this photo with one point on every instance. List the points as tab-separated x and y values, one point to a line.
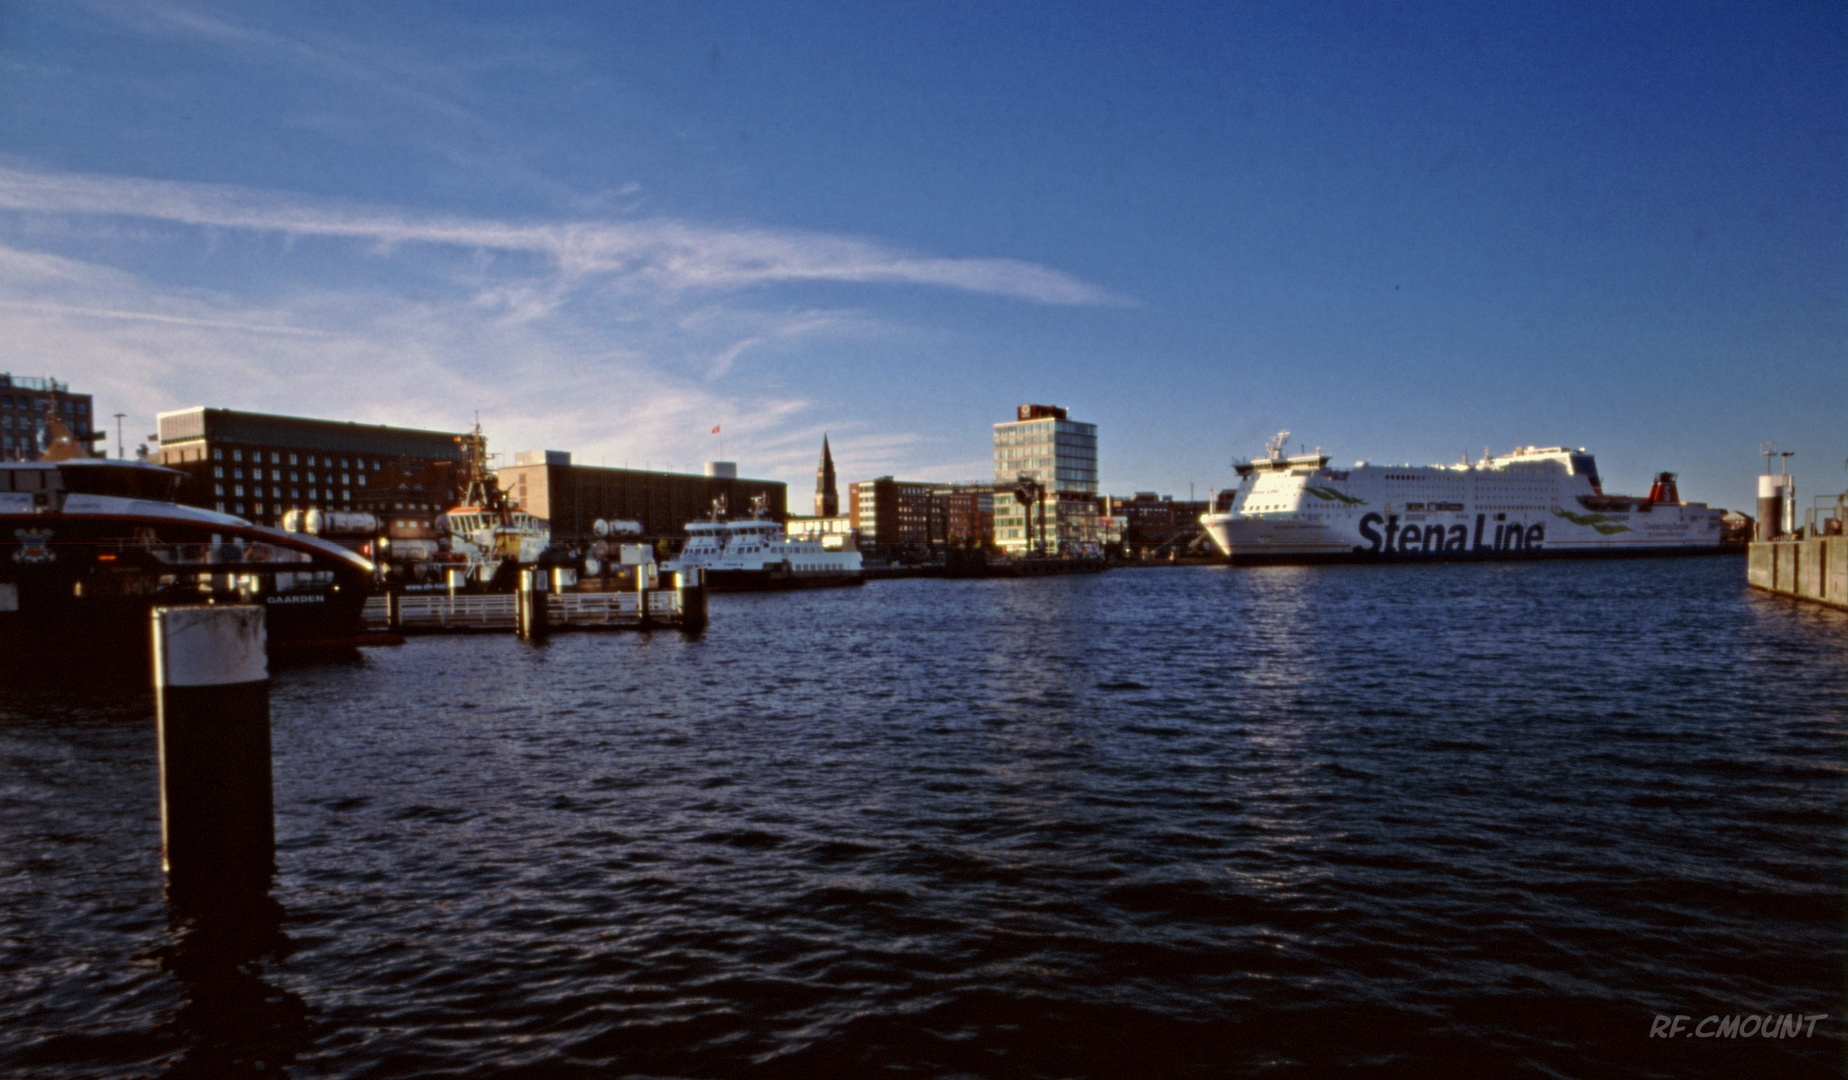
1403	234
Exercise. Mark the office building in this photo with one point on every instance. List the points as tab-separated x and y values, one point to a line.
965	514
1059	455
892	515
259	466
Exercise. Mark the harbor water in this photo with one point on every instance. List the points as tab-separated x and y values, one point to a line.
1479	819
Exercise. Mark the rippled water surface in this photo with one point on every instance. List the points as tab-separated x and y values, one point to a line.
1424	820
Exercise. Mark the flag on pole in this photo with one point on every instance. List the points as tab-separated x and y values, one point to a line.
715	429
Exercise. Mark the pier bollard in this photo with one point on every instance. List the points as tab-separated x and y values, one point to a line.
691	586
211	709
394	610
641	597
529	606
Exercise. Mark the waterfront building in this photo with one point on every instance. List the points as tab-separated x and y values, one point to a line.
827	491
1149	522
964	513
1058	454
572	498
260	466
891	515
23	400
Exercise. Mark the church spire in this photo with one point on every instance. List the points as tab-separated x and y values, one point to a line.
827	498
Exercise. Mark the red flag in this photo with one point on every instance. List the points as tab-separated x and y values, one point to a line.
715	430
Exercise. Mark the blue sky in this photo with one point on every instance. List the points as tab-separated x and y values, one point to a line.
1403	232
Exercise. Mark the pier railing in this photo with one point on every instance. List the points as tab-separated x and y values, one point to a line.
443	613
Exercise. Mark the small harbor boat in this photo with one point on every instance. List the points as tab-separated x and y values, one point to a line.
486	537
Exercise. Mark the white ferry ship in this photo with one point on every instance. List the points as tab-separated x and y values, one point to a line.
1535	502
757	554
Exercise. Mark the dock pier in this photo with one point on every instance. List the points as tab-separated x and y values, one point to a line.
681	606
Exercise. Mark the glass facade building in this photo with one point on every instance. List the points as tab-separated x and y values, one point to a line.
1060	455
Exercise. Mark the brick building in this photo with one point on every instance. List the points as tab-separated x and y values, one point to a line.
259	466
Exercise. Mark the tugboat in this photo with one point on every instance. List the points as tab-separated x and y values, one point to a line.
756	554
485	537
89	545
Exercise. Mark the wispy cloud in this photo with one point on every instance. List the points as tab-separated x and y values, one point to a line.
659	255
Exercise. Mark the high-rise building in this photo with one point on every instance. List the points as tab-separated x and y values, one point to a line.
827	492
1059	456
23	403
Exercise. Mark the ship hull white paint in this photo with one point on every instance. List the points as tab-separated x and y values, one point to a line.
1532	504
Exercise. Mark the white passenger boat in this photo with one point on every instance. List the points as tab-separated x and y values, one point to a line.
1535	502
756	553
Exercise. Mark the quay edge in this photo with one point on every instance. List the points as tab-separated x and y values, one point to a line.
1813	569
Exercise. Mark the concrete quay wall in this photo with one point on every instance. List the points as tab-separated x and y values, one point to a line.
1813	569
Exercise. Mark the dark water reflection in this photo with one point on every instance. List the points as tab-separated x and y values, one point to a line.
1482	820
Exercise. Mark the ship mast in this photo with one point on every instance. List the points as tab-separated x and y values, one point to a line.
480	487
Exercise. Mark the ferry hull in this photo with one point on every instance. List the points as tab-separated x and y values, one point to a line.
773	581
80	587
1250	543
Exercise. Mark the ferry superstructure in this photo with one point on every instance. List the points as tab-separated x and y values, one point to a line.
1535	502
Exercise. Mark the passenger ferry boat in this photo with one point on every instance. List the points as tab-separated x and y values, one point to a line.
89	546
756	554
1535	502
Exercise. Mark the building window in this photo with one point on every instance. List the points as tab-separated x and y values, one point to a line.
237	474
292	459
239	492
218	490
220	506
311	478
258	508
237	455
295	493
240	508
218	454
275	457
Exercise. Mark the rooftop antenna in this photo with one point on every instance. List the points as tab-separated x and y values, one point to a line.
1768	449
